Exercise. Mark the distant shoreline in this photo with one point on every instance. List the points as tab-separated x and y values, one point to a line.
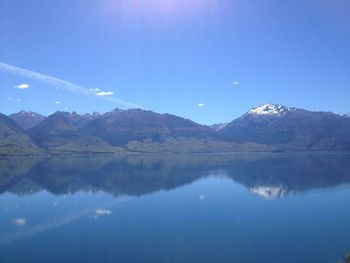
172	153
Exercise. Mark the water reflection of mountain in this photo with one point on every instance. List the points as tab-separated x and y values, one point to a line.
269	175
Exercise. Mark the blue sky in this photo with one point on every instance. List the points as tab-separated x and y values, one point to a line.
209	61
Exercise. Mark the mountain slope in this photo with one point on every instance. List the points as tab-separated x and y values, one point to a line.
27	119
218	126
121	127
13	140
60	133
290	129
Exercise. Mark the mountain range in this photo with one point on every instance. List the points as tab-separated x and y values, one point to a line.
267	128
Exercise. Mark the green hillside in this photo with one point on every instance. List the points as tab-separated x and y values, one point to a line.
13	140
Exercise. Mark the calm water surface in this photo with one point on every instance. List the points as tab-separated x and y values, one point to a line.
176	208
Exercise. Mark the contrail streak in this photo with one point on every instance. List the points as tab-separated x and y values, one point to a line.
60	83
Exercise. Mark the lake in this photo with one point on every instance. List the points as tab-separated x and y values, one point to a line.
176	208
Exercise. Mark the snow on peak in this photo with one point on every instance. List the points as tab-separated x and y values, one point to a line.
28	113
269	109
95	114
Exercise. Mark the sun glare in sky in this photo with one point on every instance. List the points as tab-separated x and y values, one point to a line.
168	8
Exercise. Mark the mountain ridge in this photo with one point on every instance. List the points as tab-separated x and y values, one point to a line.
292	129
269	127
60	132
27	119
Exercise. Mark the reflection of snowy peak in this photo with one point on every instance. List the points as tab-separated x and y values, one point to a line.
270	109
269	192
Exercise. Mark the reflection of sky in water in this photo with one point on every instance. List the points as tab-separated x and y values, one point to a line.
41	213
211	218
228	221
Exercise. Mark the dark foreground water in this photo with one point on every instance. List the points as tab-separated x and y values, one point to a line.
191	208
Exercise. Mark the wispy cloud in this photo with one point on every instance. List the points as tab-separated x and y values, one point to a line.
57	102
62	84
235	83
22	86
200	104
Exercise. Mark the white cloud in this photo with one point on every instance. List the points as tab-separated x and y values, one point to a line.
105	93
235	83
200	104
57	102
22	86
20	221
96	89
62	84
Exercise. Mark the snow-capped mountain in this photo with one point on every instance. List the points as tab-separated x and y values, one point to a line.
290	129
270	109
